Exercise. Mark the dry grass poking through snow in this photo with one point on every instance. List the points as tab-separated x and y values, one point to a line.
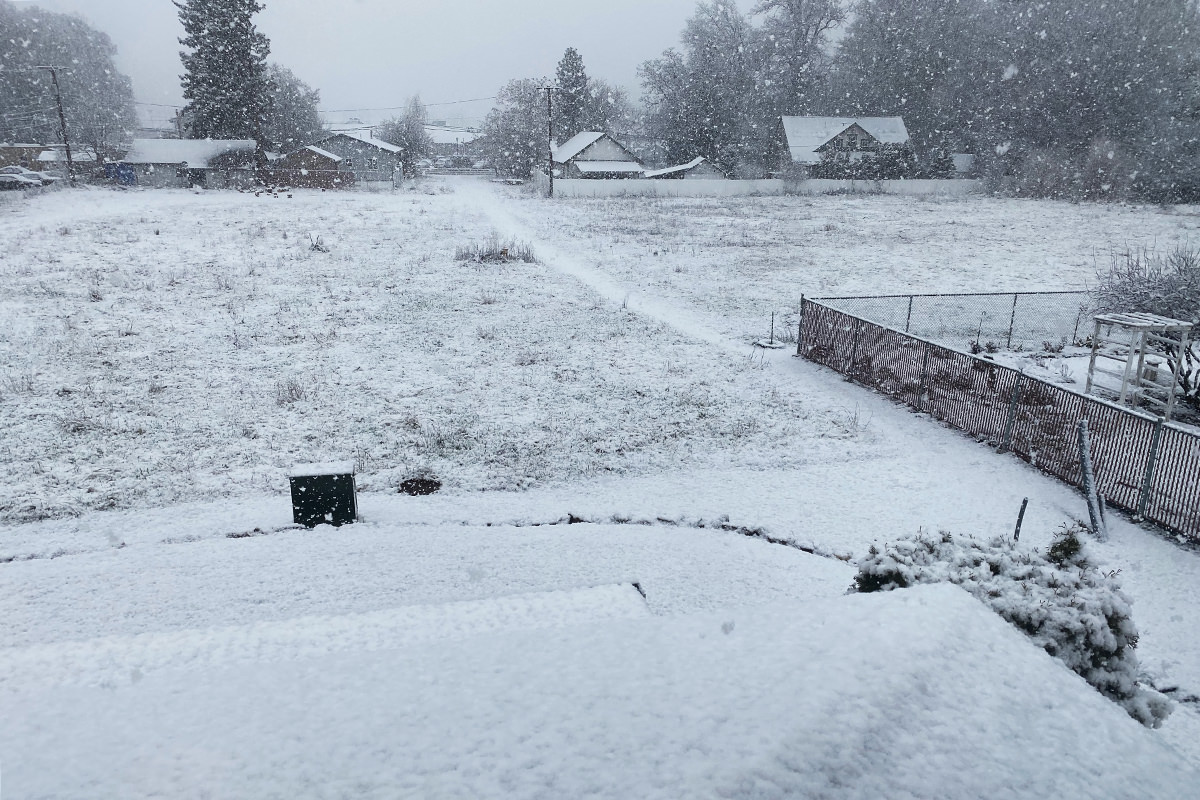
161	346
739	259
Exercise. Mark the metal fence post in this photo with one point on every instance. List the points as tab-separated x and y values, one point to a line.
853	349
1012	321
800	329
1090	489
921	399
908	319
1151	463
1006	439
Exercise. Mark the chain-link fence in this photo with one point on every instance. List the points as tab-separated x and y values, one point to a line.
1142	464
1009	320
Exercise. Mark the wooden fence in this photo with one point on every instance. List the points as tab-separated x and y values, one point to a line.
1142	465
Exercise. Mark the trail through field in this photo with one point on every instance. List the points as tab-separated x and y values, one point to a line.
915	475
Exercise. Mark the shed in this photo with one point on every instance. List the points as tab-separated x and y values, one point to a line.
812	140
211	163
698	168
20	155
593	154
311	167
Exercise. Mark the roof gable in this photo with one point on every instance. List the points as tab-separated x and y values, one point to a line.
382	145
323	153
603	146
806	135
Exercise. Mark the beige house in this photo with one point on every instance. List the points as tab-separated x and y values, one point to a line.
815	140
592	154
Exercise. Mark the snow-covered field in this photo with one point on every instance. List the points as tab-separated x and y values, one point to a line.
166	356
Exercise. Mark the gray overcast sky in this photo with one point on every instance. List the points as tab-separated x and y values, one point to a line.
375	53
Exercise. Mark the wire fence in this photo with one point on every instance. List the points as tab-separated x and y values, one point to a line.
993	320
1142	464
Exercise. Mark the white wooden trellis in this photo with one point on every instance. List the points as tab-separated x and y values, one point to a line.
1139	385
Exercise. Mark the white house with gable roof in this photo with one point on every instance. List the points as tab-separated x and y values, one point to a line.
593	154
815	140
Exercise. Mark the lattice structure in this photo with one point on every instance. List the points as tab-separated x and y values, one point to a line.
1142	383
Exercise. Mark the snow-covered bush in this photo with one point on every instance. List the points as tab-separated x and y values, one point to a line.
1072	610
1155	283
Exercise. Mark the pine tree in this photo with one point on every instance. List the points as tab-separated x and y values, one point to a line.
225	73
573	104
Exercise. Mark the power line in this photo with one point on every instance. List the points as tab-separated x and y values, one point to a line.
401	108
350	110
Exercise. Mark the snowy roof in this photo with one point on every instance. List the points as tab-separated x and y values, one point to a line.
609	166
195	152
328	468
51	156
324	153
382	145
441	135
1141	320
576	145
695	162
805	135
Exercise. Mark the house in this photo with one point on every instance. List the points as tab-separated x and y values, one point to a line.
448	141
20	155
370	159
310	167
210	163
592	154
818	140
55	157
698	168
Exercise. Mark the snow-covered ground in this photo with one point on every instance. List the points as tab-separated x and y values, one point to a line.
167	355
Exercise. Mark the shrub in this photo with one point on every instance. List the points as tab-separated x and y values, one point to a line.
495	251
1059	599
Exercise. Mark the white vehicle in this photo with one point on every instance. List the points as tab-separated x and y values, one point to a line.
8	182
21	172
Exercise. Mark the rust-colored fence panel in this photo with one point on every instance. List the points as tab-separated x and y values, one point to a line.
1141	465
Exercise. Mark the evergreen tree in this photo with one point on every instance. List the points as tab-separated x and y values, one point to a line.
225	72
573	103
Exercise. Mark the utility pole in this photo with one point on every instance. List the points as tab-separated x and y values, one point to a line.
62	121
550	134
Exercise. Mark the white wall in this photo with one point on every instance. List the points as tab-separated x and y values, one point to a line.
952	186
664	188
723	188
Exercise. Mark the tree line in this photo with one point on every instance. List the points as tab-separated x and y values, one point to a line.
1065	98
231	89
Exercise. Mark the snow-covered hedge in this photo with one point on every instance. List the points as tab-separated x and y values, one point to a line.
1074	611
